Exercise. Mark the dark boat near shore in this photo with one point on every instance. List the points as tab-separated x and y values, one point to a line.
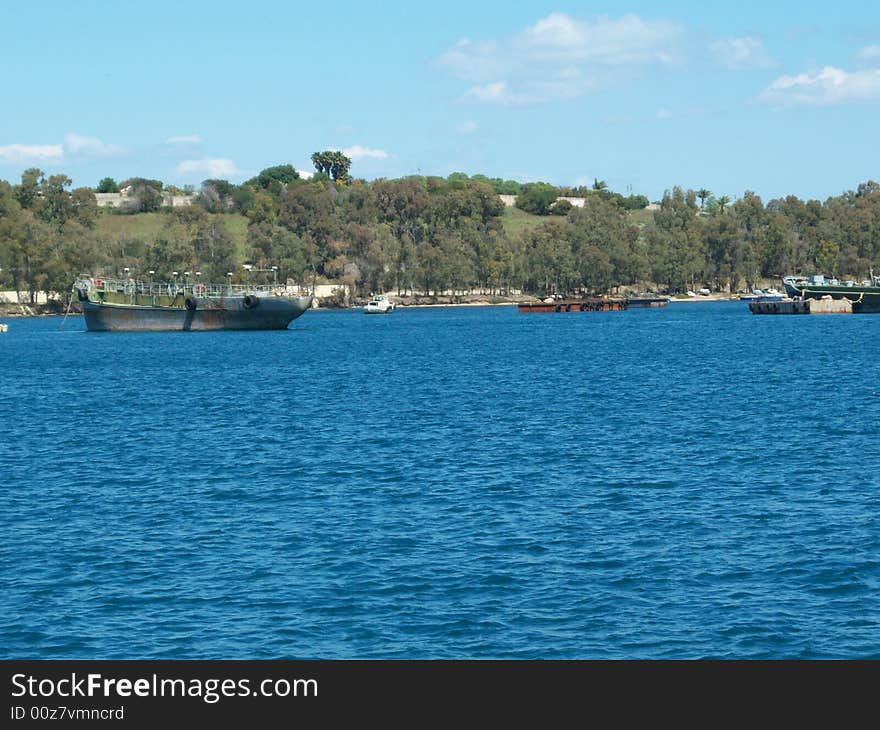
118	306
865	296
574	305
646	302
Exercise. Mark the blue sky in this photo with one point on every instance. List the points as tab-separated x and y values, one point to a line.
780	98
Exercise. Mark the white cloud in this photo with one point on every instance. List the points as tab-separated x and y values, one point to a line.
184	139
829	87
527	93
559	57
79	144
741	53
212	167
356	152
869	54
626	40
16	154
468	127
74	145
478	61
494	93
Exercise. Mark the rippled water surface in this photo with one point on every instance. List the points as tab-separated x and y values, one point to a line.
450	483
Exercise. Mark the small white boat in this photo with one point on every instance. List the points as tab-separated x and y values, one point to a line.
379	304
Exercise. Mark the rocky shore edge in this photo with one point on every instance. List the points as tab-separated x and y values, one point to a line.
49	309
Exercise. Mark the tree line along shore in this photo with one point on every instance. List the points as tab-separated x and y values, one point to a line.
423	235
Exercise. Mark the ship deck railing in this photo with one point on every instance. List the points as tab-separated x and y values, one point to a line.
189	289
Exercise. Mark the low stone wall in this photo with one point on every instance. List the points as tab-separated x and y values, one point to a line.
510	201
11	297
117	200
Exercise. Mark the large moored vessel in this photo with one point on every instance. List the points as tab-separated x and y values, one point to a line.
129	305
865	295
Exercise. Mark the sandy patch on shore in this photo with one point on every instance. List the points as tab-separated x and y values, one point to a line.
710	298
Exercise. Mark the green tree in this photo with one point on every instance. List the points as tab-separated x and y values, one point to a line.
776	255
72	252
294	256
827	255
332	163
537	198
172	250
29	253
635	202
214	249
143	195
595	269
751	219
280	175
401	204
27	192
308	211
340	167
107	185
600	224
217	196
139	182
677	245
552	267
85	207
561	207
58	205
721	234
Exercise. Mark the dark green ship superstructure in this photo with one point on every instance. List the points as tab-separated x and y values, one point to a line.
865	296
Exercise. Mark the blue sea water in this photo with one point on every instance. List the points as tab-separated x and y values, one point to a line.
444	483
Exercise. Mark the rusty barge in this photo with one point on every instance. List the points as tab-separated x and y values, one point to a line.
826	305
124	306
574	305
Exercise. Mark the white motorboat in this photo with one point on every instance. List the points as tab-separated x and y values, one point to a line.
379	304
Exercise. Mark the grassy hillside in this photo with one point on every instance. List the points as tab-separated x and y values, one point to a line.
516	221
641	217
148	226
144	226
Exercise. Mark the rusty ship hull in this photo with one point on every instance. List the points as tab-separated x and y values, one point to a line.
269	314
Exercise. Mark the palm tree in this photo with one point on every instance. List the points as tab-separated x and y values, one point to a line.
722	202
321	163
599	185
702	194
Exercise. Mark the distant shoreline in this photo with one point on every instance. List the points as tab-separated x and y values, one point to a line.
29	311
